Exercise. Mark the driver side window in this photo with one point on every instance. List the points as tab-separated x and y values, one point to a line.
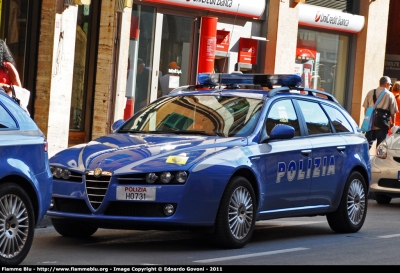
282	112
6	121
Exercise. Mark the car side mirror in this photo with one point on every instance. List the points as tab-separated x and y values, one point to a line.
282	131
117	124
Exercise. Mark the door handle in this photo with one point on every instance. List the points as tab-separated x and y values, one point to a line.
306	152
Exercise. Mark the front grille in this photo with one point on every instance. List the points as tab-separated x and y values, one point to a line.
136	209
71	205
96	188
75	177
132	179
397	159
140	179
389	183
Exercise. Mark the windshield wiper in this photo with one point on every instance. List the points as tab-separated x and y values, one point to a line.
190	132
133	131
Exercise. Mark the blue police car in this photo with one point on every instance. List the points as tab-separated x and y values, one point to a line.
25	180
217	157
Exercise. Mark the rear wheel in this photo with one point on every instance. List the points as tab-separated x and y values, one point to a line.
70	228
236	214
17	224
382	199
352	210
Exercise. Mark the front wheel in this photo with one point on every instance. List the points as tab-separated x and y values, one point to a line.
235	221
17	221
350	215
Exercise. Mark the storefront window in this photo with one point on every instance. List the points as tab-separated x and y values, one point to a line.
175	52
171	46
321	61
14	15
141	56
78	83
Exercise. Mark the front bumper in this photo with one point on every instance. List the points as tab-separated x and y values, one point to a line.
385	175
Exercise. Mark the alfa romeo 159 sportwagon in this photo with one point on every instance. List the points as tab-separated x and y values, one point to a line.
217	157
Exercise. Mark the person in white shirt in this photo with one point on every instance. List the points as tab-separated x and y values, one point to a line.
165	82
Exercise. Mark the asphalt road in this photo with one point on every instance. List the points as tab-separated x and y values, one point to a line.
291	241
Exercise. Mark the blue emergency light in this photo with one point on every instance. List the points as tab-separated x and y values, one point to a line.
267	80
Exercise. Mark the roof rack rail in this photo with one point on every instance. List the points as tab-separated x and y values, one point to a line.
310	92
313	92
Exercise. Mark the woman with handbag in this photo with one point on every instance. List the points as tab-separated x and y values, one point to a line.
8	73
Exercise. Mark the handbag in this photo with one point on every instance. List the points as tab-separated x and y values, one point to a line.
381	116
366	125
21	96
369	113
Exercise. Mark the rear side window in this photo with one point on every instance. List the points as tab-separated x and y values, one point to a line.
6	121
316	120
339	122
282	112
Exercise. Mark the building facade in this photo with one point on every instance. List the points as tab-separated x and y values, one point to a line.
90	63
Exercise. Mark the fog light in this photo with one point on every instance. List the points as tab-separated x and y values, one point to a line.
151	178
181	177
51	203
169	209
166	177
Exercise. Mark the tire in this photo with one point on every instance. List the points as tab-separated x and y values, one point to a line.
352	210
17	221
382	199
235	220
70	228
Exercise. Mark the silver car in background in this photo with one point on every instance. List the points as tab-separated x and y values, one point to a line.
385	183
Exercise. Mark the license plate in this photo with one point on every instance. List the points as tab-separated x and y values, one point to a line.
136	193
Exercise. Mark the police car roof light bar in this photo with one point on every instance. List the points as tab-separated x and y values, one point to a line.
267	80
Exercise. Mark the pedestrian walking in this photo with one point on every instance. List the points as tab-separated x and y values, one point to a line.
388	102
8	72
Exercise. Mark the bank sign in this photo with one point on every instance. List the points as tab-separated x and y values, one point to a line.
245	8
332	19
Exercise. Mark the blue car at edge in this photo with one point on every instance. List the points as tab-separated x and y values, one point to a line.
217	157
25	180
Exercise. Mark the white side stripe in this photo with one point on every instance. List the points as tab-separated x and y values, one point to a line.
251	255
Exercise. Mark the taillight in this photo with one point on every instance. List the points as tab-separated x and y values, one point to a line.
45	146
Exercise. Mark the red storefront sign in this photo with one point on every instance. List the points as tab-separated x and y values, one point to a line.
223	37
248	51
246	8
332	19
208	41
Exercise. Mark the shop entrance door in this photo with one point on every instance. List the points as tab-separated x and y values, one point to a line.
162	54
176	52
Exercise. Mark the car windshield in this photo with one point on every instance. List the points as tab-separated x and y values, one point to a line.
212	115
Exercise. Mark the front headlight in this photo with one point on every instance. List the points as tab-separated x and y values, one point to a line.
381	150
60	173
